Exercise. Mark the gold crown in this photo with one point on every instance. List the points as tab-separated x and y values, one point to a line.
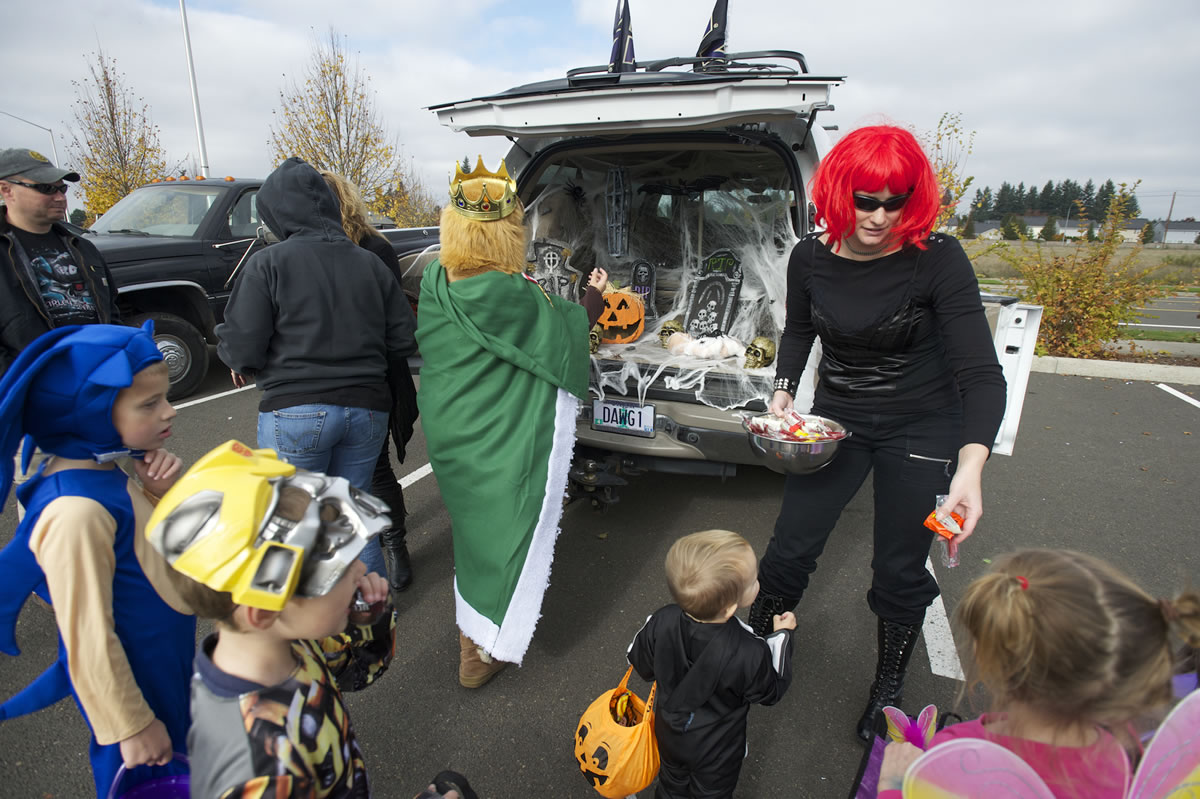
484	206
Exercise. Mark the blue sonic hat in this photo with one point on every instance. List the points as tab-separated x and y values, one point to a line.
60	391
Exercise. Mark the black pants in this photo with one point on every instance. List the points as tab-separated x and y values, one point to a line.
913	457
385	485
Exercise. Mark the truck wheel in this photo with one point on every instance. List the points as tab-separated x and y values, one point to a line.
184	350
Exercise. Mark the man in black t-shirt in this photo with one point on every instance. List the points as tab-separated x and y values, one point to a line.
49	277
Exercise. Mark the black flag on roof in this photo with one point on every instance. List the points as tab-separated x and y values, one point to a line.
712	45
621	59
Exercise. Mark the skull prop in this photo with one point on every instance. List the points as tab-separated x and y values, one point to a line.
594	339
760	353
668	328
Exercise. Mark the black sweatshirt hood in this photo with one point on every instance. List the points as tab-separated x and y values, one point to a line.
295	201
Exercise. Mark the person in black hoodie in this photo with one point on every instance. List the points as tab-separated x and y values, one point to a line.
404	393
708	664
315	320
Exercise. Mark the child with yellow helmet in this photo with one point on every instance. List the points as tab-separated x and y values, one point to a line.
270	552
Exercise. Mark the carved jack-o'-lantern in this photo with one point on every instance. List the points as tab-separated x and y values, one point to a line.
760	353
669	327
624	316
594	339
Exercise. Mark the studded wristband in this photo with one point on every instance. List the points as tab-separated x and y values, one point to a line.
783	384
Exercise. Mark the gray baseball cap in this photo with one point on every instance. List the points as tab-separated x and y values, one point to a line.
33	165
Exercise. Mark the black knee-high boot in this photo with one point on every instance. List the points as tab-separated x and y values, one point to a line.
395	557
765	608
896	644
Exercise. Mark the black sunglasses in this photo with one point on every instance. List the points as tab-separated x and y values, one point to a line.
870	204
44	188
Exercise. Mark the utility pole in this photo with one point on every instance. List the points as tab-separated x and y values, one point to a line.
1167	224
187	47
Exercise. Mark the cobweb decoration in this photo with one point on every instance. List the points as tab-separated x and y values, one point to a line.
684	207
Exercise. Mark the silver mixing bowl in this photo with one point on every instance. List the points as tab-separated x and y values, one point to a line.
794	457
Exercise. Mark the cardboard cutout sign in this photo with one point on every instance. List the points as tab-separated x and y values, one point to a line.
551	268
712	295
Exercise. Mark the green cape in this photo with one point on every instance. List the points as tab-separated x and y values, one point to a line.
504	364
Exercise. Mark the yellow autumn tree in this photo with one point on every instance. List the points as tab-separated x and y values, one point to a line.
114	144
328	118
948	147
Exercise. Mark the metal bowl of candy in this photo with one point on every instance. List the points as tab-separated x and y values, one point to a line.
796	443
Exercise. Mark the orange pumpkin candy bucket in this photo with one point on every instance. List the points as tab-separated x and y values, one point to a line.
615	746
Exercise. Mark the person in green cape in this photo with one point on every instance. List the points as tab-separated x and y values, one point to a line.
505	366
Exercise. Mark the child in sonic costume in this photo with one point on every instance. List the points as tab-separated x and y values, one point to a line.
505	365
94	398
271	554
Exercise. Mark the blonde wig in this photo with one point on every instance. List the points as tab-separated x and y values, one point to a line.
471	246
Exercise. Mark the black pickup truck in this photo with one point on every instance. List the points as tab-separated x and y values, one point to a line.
174	248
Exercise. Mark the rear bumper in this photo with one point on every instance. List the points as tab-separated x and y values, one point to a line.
682	431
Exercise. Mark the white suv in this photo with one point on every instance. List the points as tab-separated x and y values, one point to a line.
687	184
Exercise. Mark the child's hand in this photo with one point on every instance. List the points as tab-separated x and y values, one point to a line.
784	621
897	757
150	747
158	470
374	587
598	279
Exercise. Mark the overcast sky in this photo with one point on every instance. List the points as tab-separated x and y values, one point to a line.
1054	89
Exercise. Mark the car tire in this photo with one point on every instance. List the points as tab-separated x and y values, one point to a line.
183	348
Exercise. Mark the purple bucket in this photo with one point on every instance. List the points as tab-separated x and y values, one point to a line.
174	786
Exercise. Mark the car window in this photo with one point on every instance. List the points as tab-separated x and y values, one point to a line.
161	210
243	218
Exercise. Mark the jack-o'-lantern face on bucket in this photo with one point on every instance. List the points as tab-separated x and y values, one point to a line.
592	756
624	317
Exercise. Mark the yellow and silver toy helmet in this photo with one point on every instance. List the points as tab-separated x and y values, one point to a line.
223	524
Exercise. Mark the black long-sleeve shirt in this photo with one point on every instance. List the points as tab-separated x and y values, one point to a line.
903	333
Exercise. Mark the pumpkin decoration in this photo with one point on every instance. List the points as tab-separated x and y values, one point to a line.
615	747
760	353
624	316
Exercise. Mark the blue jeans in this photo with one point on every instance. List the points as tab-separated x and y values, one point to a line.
332	439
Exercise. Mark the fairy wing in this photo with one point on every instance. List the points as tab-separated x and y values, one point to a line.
919	733
1171	765
927	724
972	768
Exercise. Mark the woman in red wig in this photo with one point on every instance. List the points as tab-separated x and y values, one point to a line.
908	367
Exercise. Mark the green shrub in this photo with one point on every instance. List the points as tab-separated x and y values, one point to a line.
1086	294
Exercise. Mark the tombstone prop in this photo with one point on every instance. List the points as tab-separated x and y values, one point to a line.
642	279
551	268
713	294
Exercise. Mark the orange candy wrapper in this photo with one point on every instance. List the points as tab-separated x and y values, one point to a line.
947	528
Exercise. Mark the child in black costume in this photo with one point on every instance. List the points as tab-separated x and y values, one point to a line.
709	666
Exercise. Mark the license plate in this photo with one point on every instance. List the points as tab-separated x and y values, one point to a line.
623	417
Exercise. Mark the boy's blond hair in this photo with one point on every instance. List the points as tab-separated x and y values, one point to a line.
709	571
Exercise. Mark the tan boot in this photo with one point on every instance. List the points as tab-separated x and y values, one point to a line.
475	667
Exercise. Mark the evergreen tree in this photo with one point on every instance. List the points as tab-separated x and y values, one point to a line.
1104	195
968	228
1087	196
1091	231
78	217
1045	203
1049	231
1009	229
1006	202
1132	208
1019	196
1071	191
987	203
1148	233
1031	199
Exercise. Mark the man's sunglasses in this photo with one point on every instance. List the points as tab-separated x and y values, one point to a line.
43	188
870	204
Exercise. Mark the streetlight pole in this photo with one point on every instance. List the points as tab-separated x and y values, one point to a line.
53	148
187	47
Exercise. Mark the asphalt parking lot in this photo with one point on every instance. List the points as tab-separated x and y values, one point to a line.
1108	466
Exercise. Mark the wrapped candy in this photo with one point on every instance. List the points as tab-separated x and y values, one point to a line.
793	426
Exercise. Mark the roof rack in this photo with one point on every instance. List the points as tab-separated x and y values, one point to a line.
731	63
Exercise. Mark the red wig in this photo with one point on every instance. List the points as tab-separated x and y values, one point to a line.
873	159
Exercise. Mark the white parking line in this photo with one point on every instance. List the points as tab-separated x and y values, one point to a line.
1179	394
416	475
212	397
939	640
